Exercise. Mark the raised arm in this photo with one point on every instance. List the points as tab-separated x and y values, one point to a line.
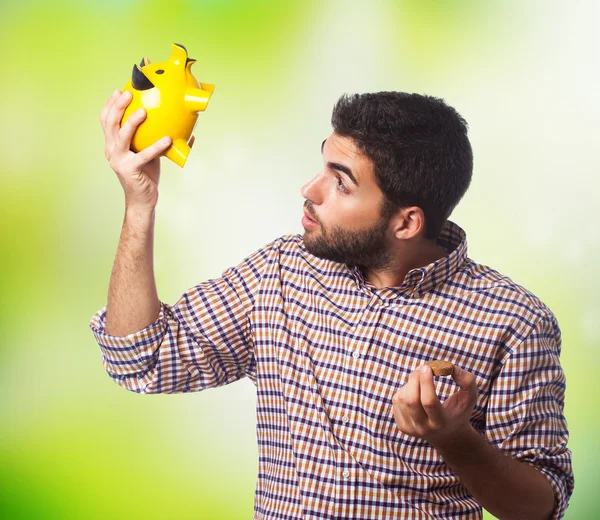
132	297
148	346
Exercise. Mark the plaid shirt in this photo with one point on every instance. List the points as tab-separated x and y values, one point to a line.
327	350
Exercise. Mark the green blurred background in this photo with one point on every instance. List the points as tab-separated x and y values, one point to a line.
525	75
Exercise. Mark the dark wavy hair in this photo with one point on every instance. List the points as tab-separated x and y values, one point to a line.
419	148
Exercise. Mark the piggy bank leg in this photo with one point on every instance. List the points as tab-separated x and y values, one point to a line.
178	152
208	87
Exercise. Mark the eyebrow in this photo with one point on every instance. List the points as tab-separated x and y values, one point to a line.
340	167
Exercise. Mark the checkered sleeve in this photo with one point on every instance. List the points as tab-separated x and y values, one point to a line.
202	341
525	415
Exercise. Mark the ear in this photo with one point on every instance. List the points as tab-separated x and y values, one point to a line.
408	222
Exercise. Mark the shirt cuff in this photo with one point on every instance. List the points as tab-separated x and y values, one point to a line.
558	487
124	355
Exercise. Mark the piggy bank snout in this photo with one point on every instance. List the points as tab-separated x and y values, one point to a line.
139	80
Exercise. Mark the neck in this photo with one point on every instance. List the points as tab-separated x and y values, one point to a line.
394	275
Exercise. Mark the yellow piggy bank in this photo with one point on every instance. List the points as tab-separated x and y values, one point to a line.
172	98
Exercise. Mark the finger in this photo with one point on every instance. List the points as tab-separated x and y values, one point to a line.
465	380
115	114
123	142
412	400
429	399
112	123
107	106
404	424
152	151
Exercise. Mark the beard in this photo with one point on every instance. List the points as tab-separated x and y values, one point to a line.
367	248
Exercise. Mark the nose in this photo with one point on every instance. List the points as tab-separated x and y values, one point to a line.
310	189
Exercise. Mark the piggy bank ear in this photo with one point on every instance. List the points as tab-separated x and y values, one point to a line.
139	81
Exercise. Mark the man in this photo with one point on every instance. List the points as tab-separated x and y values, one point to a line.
334	328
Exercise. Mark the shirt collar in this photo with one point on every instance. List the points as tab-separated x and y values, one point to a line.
421	280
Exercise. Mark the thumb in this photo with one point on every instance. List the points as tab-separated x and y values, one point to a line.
153	151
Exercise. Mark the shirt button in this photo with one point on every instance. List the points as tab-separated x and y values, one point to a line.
345	419
356	354
346	473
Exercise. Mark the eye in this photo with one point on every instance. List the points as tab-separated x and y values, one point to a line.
160	71
341	185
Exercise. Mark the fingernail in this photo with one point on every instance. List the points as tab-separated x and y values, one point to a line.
424	369
165	140
139	112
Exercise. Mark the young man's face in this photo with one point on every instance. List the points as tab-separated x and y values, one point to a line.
350	228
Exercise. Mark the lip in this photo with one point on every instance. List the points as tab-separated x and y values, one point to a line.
308	222
309	217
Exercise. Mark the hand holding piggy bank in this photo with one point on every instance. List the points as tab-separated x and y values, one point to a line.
172	98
